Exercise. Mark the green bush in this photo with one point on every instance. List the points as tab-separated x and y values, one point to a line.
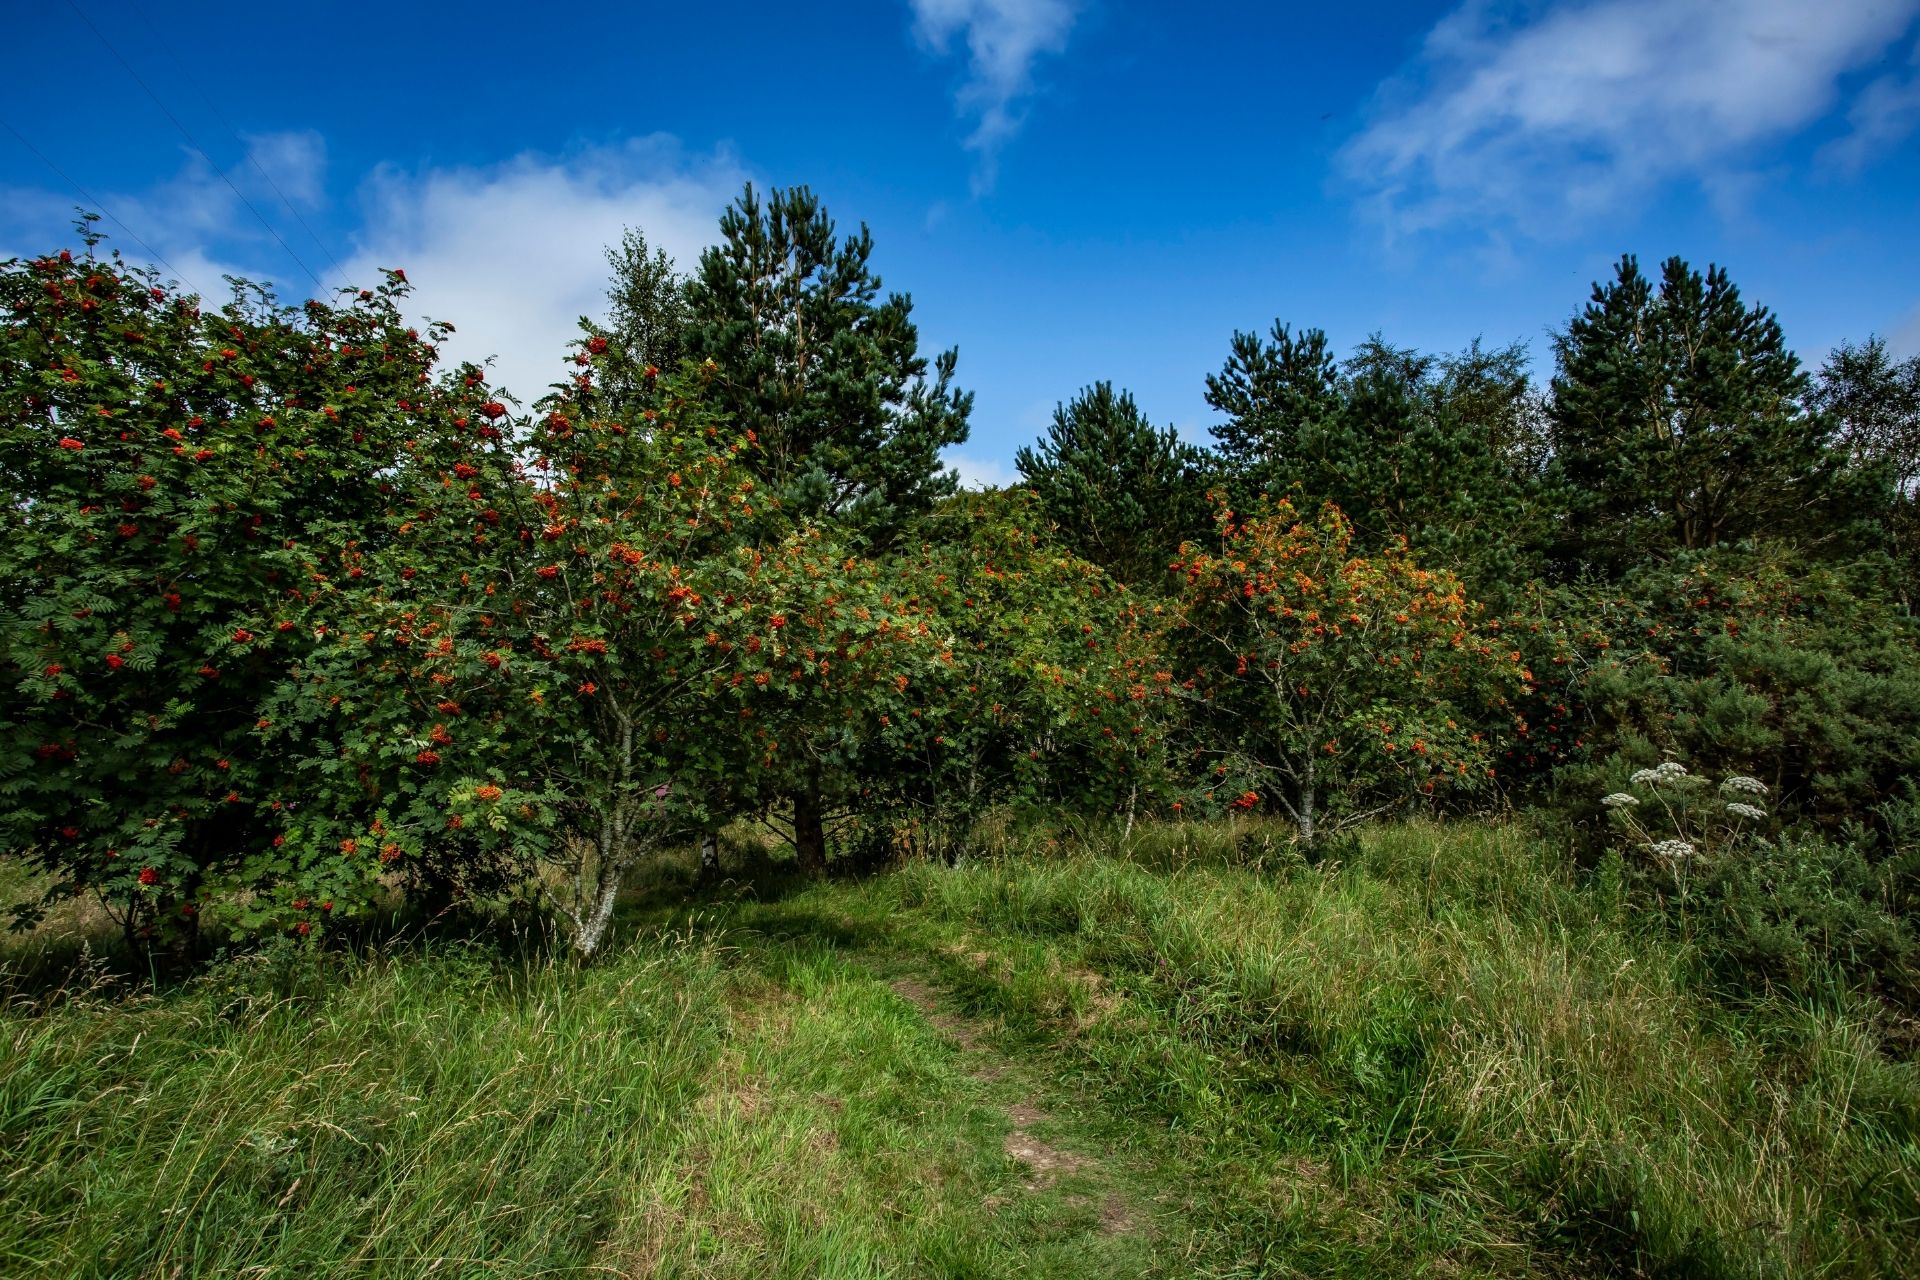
1804	675
184	487
1803	912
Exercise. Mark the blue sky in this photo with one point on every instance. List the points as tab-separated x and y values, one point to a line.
1071	190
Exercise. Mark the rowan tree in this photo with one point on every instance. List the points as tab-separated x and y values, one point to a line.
1330	685
182	483
575	656
1044	683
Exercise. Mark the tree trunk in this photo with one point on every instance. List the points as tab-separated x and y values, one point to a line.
591	928
809	829
709	857
1306	806
597	889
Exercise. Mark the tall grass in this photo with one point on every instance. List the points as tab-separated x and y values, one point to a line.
440	1104
1450	1010
1434	1051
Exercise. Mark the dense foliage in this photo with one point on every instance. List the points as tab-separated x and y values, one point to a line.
185	486
1331	682
297	623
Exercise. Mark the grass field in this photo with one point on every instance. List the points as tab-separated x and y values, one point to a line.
1182	1054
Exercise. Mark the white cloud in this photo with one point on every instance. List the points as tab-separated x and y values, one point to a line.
514	253
295	163
181	218
980	473
1554	115
177	220
1004	39
1886	111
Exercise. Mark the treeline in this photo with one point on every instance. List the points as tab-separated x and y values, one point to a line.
297	619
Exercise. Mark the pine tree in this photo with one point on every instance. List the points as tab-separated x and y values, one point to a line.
1678	420
1122	492
1274	393
850	417
1432	450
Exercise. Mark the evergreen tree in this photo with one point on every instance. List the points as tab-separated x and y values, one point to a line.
1439	450
1122	492
1678	419
850	418
1274	393
1421	449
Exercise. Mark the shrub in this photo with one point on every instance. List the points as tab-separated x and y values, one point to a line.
182	486
1048	684
1805	676
1328	683
1799	910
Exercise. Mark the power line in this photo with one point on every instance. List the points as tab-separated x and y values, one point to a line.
100	205
235	135
195	145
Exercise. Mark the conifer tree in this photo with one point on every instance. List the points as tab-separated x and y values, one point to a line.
850	417
1678	420
1430	449
1122	492
1275	393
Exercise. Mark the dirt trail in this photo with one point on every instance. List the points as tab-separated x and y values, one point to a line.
1044	1162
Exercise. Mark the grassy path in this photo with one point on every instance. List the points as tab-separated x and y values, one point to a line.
860	1124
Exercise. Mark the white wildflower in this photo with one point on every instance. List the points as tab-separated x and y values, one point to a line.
1754	812
1671	769
1670	850
1751	786
1645	778
1618	800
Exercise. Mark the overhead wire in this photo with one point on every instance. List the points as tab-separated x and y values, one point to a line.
95	202
191	141
233	133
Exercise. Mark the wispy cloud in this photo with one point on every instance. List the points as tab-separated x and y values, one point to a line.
1540	117
294	164
197	220
980	473
1906	339
1004	39
1886	111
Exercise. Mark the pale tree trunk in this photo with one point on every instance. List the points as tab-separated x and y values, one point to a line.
1305	811
602	865
593	910
709	857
